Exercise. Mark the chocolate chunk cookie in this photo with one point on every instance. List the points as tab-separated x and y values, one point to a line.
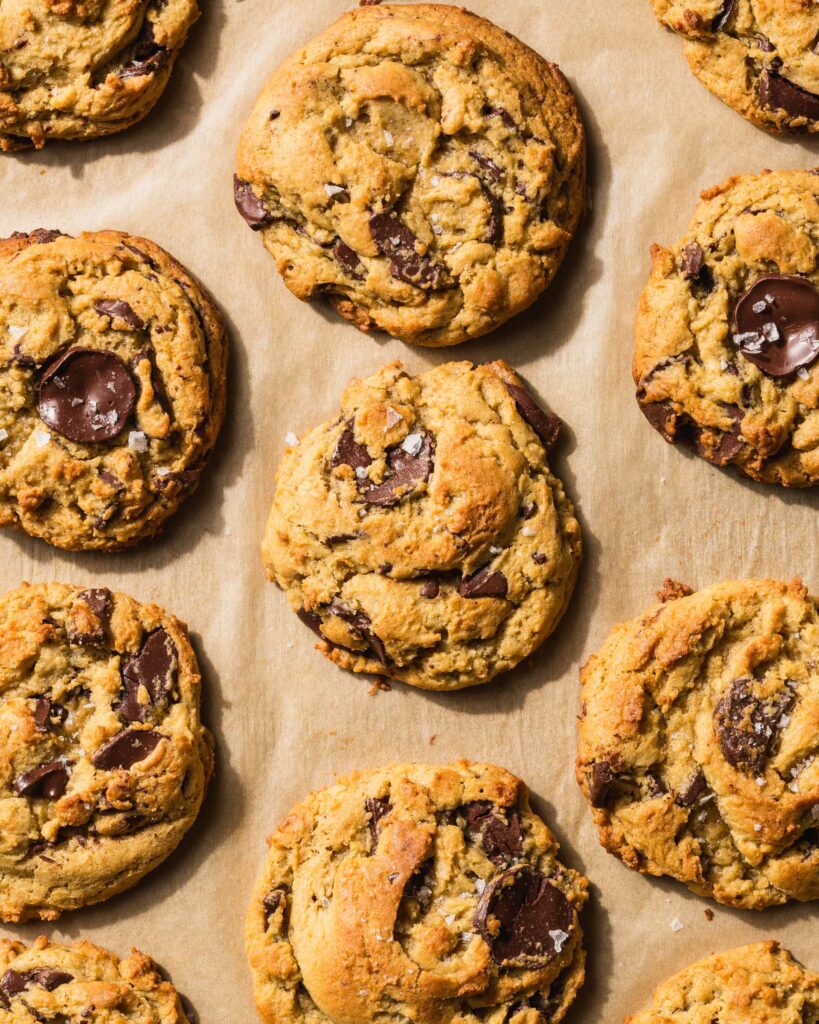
78	69
727	335
421	533
698	742
761	57
419	166
756	984
416	892
103	758
112	386
47	981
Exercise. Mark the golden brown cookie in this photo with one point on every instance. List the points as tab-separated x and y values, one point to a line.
421	533
698	742
416	892
419	166
112	386
103	757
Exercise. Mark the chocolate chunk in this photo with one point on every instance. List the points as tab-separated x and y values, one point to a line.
486	582
407	465
545	424
501	836
693	790
523	918
149	57
726	12
348	260
655	784
777	93
538	557
691	260
155	668
311	620
48	780
487	163
111	480
747	725
360	627
395	241
599	779
87	395
274	115
255	213
40	236
125	749
340	538
776	324
430	588
100	602
48	713
419	886
494	226
14	982
730	442
273	900
507	119
348	451
528	511
377	808
121	310
336	193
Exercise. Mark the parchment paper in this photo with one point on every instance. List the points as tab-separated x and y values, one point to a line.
285	718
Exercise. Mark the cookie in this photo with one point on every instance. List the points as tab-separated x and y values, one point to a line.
48	981
727	333
756	984
112	387
758	56
416	892
420	167
103	758
698	742
421	533
79	69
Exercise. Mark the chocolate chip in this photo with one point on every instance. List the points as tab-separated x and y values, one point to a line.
348	260
487	163
348	451
726	12
538	557
777	93
377	808
395	241
311	620
360	627
100	602
780	335
545	424
340	538
48	780
407	466
523	918
87	395
125	749
501	836
693	789
599	779
155	668
255	213
430	588
48	713
274	114
14	982
747	725
486	582
691	260
121	310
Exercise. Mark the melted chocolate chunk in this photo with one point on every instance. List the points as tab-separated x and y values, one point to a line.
348	451
348	260
125	749
430	588
100	602
488	164
47	713
691	260
747	725
486	582
777	93
501	836
395	241
361	627
599	779
87	395
155	668
14	982
523	918
726	12
255	213
693	790
48	780
377	808
311	620
545	424
121	310
678	428
406	467
776	324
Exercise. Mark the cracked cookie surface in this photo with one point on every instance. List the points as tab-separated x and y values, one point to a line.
756	984
48	982
416	892
421	534
78	69
104	759
698	742
419	166
727	332
112	386
761	57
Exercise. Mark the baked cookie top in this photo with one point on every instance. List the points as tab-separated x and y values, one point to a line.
419	166
727	333
416	892
698	742
421	533
112	386
756	984
103	758
759	56
47	981
78	69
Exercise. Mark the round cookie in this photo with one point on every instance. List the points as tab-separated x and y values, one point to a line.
756	984
112	386
78	69
103	758
419	166
727	332
50	982
421	533
416	892
758	56
698	742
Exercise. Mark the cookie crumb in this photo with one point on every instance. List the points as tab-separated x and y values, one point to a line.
379	684
709	914
673	590
433	738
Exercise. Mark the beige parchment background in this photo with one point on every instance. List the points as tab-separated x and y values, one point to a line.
285	718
